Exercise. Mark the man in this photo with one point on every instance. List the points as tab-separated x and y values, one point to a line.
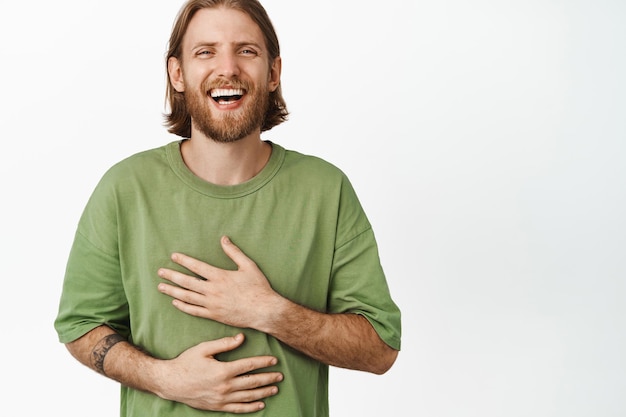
222	273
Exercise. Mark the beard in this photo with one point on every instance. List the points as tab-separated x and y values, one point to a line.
229	126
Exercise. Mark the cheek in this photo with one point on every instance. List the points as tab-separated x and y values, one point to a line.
196	77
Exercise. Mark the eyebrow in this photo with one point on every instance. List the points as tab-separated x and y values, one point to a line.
236	44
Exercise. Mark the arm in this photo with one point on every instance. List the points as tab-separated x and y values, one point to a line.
244	298
343	340
194	377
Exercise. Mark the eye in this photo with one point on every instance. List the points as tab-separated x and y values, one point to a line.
204	53
248	52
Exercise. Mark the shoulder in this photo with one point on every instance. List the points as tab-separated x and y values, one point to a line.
137	163
318	180
140	168
124	176
312	167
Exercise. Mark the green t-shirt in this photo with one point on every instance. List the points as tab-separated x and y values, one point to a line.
299	219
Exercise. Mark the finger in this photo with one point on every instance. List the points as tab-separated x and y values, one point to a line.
225	344
196	266
243	408
247	397
249	382
246	366
183	299
196	310
182	280
234	253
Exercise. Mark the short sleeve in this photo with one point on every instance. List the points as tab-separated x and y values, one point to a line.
358	283
93	292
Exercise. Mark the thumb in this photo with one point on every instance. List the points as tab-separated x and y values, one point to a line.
234	253
225	344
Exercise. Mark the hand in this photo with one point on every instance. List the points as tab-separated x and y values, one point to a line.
240	298
199	380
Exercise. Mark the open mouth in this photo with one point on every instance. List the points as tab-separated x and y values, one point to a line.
227	95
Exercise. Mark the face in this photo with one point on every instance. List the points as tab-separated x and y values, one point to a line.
225	74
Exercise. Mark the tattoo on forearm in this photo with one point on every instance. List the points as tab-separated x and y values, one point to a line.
102	348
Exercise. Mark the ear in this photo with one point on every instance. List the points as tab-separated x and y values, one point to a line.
175	72
275	70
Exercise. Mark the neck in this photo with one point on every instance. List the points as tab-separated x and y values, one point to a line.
225	163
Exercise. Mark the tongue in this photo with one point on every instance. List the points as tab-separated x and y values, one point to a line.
228	99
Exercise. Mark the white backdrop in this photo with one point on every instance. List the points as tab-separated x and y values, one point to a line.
486	140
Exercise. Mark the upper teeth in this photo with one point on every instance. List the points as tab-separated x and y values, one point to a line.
221	92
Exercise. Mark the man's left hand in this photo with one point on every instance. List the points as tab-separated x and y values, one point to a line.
237	298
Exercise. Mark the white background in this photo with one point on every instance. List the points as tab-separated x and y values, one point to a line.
486	140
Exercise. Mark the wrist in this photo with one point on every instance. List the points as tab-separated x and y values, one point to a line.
273	312
159	379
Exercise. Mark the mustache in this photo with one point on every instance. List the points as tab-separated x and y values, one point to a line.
222	83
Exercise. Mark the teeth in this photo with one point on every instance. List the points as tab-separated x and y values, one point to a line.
226	92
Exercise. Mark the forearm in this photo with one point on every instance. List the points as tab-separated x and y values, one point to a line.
342	340
244	298
106	352
194	377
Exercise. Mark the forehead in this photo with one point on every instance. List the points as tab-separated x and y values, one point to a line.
222	26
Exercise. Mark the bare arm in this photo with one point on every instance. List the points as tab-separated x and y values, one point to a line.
244	298
343	340
194	377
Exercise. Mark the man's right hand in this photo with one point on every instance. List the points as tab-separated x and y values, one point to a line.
194	378
199	380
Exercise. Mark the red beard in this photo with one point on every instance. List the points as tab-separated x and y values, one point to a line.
229	126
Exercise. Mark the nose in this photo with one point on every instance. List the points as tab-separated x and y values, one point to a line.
227	65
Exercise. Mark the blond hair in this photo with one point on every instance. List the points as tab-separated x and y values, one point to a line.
178	121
